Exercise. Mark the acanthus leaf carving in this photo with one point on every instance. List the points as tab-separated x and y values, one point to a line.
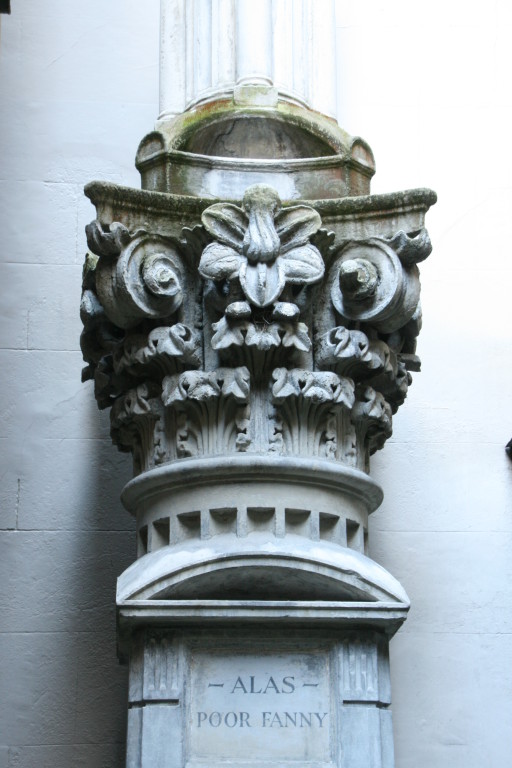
108	386
107	242
228	333
212	409
372	417
194	240
133	420
346	350
411	249
261	335
317	386
324	241
165	349
304	403
351	353
99	336
296	335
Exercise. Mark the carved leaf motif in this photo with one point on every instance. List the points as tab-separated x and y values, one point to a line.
167	344
227	334
411	249
220	262
371	405
349	344
263	337
236	383
317	386
325	386
194	239
193	385
324	241
134	403
211	410
296	335
309	406
106	243
207	385
173	340
301	265
243	440
296	225
227	223
284	386
346	394
134	418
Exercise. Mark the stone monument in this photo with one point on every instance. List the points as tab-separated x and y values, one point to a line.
250	320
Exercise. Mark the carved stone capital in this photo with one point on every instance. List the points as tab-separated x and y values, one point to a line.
257	328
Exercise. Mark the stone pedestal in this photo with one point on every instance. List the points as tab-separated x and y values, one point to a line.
274	693
250	319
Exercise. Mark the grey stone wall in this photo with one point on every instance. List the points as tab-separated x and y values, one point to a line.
68	115
79	89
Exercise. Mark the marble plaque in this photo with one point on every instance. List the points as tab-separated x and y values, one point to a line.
260	709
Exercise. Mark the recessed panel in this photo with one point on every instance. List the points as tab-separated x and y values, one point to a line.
249	709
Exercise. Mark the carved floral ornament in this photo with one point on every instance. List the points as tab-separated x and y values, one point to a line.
261	245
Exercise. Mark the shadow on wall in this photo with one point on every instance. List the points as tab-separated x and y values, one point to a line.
63	693
104	548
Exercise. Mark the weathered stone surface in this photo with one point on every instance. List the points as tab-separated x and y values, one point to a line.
358	217
223	146
269	297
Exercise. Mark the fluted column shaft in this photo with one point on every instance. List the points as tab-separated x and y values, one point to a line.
207	47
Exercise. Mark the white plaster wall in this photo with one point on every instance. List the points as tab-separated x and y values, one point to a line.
429	86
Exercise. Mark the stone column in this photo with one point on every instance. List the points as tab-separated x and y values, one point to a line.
250	320
209	48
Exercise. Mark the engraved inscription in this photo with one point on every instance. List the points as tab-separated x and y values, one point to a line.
260	708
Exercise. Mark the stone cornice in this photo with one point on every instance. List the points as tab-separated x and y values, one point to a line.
106	195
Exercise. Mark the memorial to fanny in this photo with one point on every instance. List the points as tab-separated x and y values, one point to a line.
250	319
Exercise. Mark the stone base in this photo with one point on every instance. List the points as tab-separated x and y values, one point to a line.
259	696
